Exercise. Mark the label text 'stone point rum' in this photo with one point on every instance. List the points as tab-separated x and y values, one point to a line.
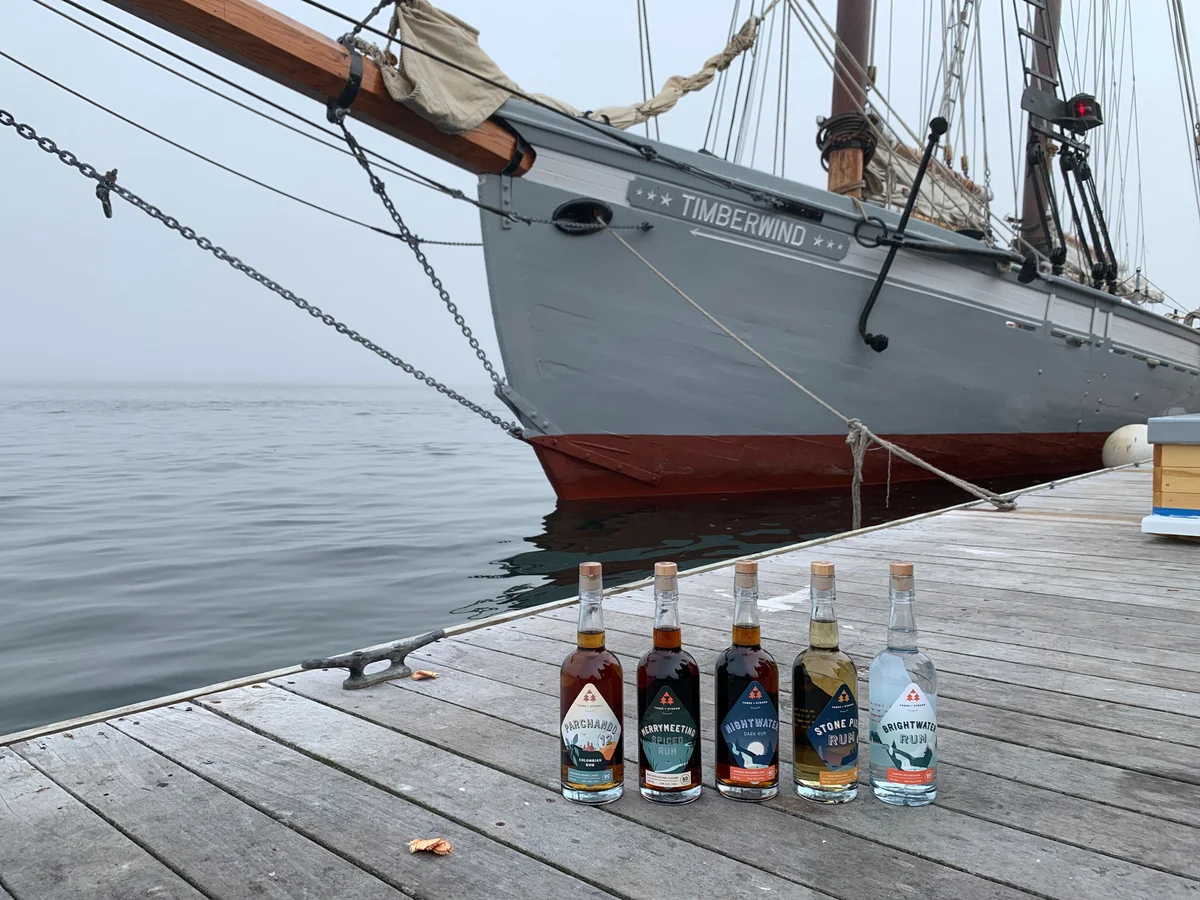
903	706
825	703
747	694
668	686
591	708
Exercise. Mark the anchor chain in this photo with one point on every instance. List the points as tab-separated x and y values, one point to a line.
108	182
414	243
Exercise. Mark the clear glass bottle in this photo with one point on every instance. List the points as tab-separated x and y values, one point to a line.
903	706
825	703
747	694
591	704
668	682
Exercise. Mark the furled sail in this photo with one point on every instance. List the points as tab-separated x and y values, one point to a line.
456	102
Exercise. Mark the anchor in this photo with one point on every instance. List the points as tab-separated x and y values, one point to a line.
360	659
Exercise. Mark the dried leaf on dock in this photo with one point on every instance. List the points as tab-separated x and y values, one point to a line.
440	846
422	674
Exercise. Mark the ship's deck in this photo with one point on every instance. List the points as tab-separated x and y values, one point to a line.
1067	644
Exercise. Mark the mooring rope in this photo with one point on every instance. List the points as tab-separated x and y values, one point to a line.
859	436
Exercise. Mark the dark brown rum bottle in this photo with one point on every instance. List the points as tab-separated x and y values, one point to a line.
825	695
668	682
591	707
747	691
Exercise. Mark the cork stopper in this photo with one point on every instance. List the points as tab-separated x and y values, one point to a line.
902	569
746	567
821	568
589	570
665	569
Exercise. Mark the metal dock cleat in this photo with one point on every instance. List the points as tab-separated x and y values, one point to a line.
357	661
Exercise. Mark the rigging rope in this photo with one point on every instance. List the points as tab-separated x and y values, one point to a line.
859	437
106	184
222	166
414	244
647	152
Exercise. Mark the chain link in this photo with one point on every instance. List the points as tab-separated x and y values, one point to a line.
414	243
88	171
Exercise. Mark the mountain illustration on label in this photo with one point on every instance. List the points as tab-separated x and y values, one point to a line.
907	732
591	730
751	728
834	733
668	733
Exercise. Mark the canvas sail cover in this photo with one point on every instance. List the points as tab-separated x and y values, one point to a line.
945	197
456	101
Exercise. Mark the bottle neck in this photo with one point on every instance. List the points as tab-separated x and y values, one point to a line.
902	625
591	618
746	632
822	622
666	612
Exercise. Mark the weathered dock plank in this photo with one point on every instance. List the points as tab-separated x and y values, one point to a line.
214	841
774	844
1067	644
366	825
623	856
52	847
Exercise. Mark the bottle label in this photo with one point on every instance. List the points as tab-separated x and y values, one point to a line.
904	740
751	731
668	734
834	735
591	733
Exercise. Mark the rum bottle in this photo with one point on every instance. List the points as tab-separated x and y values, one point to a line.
668	683
591	707
825	694
747	692
903	706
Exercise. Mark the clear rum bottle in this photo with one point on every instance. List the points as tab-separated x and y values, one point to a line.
591	707
668	683
903	706
825	703
747	692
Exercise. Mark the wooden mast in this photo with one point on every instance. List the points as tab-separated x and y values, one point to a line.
255	36
849	90
1044	63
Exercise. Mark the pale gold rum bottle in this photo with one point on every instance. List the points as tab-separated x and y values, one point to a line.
825	697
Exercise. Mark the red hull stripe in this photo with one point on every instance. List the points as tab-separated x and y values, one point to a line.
609	466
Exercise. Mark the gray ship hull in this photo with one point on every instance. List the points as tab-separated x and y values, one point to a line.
627	390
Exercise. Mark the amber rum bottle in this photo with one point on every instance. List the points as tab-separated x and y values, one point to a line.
747	691
668	682
591	710
825	692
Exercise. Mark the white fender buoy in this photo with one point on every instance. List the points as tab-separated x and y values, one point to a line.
1127	445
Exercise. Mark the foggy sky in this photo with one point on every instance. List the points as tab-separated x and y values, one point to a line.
86	299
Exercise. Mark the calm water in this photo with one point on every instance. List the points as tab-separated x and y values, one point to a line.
155	539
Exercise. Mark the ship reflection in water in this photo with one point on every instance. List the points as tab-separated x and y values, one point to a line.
629	537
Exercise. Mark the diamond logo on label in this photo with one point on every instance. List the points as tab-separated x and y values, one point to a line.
591	731
834	733
668	733
751	729
906	737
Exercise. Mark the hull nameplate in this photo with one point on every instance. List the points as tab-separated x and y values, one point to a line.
759	224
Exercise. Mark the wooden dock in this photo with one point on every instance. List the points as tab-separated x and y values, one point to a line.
1067	645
